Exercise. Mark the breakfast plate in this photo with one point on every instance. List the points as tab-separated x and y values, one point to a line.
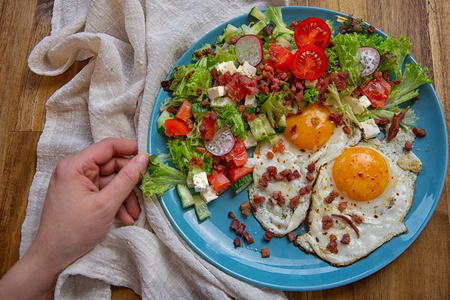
288	267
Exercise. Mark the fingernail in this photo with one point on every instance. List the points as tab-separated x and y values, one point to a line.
142	161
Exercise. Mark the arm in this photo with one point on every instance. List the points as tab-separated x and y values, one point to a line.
85	193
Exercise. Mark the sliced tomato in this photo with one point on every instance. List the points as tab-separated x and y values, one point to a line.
238	173
184	111
312	31
208	126
309	62
238	154
174	127
282	57
219	181
377	90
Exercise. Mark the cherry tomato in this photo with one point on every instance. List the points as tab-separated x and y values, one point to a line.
238	173
312	31
282	57
238	154
377	90
219	181
175	127
309	62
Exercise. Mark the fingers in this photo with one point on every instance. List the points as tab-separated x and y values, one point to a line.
124	216
113	166
101	152
123	183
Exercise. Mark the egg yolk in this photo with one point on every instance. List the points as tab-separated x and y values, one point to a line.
362	173
311	129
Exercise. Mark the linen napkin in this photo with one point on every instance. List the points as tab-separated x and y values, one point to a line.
131	46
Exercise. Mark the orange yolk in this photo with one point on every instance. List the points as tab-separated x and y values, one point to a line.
311	129
362	173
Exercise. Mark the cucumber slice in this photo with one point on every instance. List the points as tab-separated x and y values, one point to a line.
240	184
281	126
185	195
162	118
201	209
266	123
198	109
257	129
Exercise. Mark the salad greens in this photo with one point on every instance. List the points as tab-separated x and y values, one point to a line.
254	101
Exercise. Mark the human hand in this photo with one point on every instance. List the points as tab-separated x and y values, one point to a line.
85	193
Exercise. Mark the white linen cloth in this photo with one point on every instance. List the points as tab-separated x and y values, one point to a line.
131	45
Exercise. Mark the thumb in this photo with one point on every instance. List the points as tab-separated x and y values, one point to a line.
127	178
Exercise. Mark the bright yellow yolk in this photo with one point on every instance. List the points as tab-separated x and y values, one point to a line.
362	173
311	129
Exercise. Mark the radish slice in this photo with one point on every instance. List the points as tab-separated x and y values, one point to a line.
370	60
222	143
249	48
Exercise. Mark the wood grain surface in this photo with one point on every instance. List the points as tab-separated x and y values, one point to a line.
421	272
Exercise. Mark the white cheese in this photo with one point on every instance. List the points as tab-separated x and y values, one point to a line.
358	105
200	182
209	194
227	66
250	141
370	129
222	101
216	92
310	84
247	70
250	101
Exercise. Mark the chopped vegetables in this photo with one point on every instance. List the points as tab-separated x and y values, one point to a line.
370	60
221	143
249	48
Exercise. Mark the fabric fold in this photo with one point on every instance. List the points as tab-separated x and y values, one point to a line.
131	46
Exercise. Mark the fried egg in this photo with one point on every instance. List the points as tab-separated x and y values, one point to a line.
360	200
285	167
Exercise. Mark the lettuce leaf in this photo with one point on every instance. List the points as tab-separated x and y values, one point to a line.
231	117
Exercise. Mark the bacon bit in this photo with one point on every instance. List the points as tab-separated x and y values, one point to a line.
278	177
342	206
200	150
291	236
245	208
265	252
345	239
273	201
395	126
172	109
311	167
357	219
235	224
286	172
259	199
382	121
349	223
231	215
268	236
310	176
293	175
327	222
340	80
241	108
188	75
263	182
408	146
204	103
305	190
251	117
371	29
241	229
196	161
332	245
253	207
248	238
278	196
337	118
331	196
293	129
346	129
419	133
294	202
237	242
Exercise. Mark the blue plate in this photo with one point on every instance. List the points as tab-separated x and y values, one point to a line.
289	268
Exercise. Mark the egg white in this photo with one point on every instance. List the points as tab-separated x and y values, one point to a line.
382	218
281	218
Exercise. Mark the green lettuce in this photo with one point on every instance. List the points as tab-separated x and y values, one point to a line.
231	117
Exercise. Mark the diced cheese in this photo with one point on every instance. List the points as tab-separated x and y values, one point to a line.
227	66
209	194
358	105
250	101
250	141
370	129
310	84
247	70
200	182
222	101
216	92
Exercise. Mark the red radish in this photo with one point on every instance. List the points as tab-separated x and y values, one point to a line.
370	60
222	143
249	48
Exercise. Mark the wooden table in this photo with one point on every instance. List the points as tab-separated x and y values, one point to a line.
421	272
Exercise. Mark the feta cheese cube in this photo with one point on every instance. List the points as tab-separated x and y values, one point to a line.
250	101
364	101
369	128
247	70
358	105
250	141
216	92
200	182
209	194
227	66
